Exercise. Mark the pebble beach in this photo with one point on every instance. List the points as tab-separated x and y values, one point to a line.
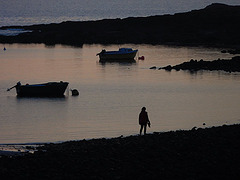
210	153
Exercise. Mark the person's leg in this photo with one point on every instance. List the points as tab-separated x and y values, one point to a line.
141	128
145	129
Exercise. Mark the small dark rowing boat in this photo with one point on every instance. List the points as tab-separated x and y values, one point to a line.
50	89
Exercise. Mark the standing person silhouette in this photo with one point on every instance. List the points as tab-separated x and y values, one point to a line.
143	120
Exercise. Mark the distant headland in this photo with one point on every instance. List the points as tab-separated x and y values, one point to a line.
215	25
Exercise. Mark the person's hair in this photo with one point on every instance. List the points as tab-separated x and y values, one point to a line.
143	109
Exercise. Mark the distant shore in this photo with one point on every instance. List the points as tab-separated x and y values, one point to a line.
215	25
211	153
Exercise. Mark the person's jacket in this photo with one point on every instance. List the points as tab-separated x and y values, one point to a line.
143	118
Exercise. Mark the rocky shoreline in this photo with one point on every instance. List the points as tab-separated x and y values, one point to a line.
215	25
228	65
211	153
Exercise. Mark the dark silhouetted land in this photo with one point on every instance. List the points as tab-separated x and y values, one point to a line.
215	25
211	153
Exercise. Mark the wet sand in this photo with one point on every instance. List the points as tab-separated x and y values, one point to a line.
211	153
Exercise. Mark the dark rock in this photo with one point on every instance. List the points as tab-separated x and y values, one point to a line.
194	128
167	68
153	67
235	51
230	65
75	92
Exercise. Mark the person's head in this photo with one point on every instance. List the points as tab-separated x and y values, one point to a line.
143	109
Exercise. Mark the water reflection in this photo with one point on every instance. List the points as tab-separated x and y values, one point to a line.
211	75
112	93
41	99
123	62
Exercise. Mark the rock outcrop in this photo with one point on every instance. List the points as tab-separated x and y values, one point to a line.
232	65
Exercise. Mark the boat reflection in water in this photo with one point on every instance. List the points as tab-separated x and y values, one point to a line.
50	89
122	55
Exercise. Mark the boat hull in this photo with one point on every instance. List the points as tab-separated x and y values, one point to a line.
51	89
128	56
122	55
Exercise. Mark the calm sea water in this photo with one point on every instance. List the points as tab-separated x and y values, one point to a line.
111	94
28	12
